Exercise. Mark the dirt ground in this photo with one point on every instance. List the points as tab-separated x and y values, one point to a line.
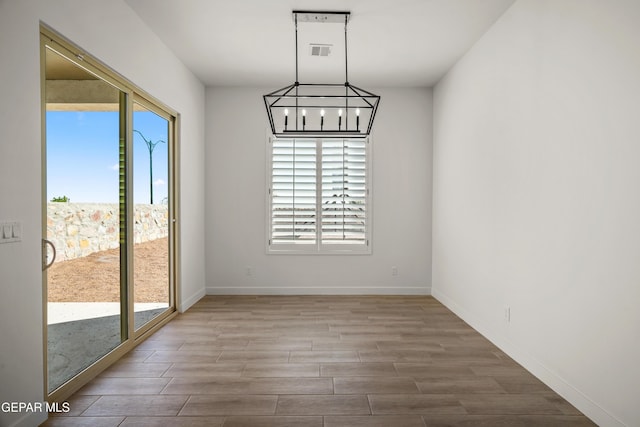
96	278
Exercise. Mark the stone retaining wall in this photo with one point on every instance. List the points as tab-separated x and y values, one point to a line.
79	229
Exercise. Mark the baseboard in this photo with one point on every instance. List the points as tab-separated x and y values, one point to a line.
574	396
320	290
186	303
30	420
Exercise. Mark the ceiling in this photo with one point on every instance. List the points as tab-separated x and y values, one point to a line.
252	43
60	68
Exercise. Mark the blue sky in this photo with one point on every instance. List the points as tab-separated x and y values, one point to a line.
82	156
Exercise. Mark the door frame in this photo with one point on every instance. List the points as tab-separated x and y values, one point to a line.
50	39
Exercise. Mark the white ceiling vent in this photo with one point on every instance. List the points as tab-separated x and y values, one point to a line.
320	49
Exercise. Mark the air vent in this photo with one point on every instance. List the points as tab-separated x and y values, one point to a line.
320	49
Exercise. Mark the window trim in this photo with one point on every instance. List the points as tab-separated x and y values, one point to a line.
318	248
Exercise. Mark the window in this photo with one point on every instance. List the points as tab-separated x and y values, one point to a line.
318	196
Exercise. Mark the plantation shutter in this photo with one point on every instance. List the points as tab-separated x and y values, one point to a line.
293	191
344	191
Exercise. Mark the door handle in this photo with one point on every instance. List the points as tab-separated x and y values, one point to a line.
46	243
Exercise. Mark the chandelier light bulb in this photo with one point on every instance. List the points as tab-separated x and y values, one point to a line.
357	112
286	118
340	113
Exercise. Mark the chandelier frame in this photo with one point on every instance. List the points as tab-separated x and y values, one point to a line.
339	100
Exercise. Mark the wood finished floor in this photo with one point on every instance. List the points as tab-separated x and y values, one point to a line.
337	361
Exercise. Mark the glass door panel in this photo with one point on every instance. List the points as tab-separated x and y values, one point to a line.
151	214
85	223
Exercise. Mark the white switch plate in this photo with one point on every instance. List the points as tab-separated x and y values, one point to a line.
10	232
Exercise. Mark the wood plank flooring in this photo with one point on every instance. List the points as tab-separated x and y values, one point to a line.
325	361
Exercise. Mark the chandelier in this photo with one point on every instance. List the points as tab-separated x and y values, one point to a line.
321	109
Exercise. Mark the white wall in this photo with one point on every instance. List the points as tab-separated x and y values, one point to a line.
536	196
112	32
236	133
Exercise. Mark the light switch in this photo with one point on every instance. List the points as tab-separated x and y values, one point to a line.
17	230
10	232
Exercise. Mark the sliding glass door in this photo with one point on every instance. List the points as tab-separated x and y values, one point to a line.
151	213
84	165
109	217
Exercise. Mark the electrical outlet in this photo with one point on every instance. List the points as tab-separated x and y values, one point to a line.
248	271
394	271
507	314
